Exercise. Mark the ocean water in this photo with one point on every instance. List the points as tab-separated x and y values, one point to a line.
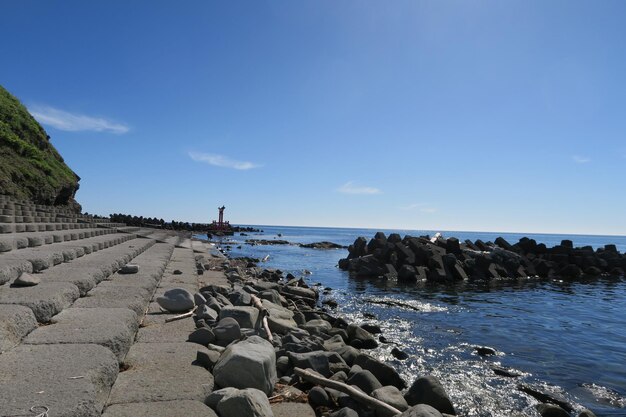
567	338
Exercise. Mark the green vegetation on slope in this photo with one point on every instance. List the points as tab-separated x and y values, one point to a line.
30	167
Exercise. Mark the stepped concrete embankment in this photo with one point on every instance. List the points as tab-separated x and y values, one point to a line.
444	260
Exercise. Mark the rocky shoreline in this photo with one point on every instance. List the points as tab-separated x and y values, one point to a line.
302	350
440	259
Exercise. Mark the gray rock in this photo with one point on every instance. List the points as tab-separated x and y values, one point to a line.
129	269
218	395
202	336
250	363
421	410
334	343
428	390
399	354
247	402
340	376
26	280
240	298
348	354
359	338
364	380
205	312
392	396
227	331
245	316
344	412
176	300
283	364
199	299
207	359
371	328
270	295
318	397
551	410
386	374
317	326
317	361
586	413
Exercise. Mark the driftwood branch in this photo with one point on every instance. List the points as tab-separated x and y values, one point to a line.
180	316
357	395
256	302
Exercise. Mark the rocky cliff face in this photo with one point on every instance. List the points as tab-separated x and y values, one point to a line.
30	167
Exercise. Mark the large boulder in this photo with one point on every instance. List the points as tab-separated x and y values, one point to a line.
176	300
245	316
247	402
250	363
428	390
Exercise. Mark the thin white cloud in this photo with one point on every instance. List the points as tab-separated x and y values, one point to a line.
222	161
72	122
350	188
423	207
580	159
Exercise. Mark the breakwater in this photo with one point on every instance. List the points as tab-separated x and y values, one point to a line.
442	259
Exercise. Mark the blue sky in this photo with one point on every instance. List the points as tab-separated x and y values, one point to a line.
445	115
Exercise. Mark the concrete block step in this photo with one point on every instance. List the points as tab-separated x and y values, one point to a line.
183	408
132	291
15	323
162	372
21	240
46	299
113	328
88	271
44	257
72	380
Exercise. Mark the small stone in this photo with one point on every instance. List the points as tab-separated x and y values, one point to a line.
372	328
177	272
398	354
318	397
26	280
129	269
485	350
551	410
344	412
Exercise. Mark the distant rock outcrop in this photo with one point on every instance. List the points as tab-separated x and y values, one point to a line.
438	259
30	167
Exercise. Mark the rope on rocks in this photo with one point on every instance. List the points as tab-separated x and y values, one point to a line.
40	410
37	408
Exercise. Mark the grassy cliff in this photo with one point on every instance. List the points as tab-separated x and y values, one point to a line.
30	167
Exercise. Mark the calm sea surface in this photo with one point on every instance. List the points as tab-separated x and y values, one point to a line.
567	338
